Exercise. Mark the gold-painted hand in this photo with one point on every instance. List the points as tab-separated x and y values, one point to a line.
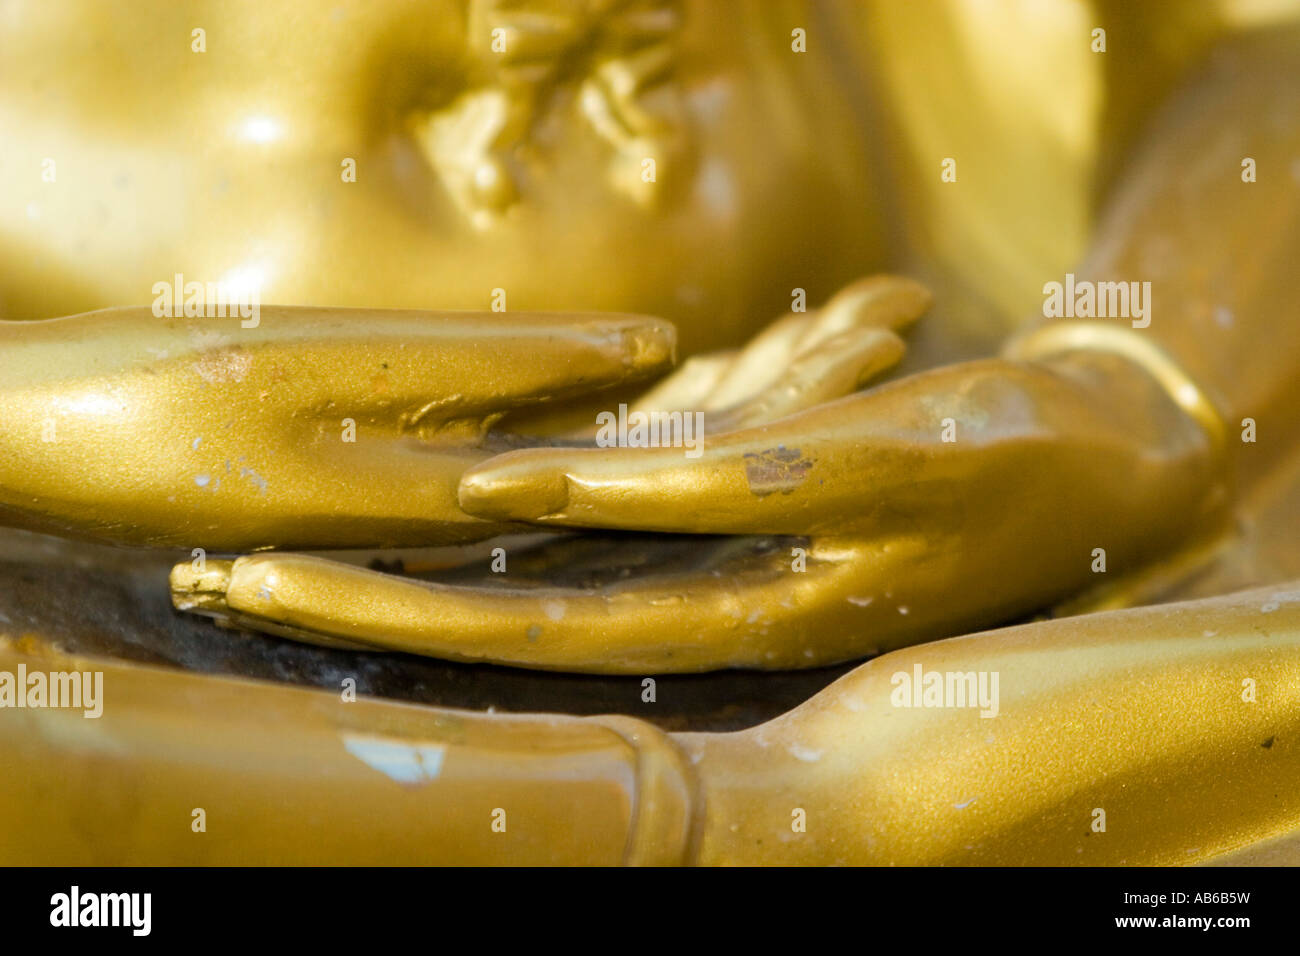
1092	447
886	534
798	363
311	428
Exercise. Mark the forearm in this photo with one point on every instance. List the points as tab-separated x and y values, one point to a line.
1156	717
159	767
1219	252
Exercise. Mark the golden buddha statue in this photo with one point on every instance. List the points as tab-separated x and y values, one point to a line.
605	187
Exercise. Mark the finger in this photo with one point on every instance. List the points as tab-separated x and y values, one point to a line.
310	428
411	369
884	302
687	387
424	369
552	357
840	366
798	360
763	616
690	385
913	450
824	469
377	492
881	301
756	365
765	603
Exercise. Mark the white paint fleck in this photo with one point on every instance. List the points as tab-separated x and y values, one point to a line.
964	804
862	601
223	365
409	763
555	610
202	480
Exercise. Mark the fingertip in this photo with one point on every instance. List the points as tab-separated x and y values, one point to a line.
200	588
571	354
649	343
509	488
888	301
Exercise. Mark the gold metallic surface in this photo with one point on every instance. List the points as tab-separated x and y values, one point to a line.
1063	337
866	482
478	170
473	171
316	428
1142	714
917	497
887	576
292	776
